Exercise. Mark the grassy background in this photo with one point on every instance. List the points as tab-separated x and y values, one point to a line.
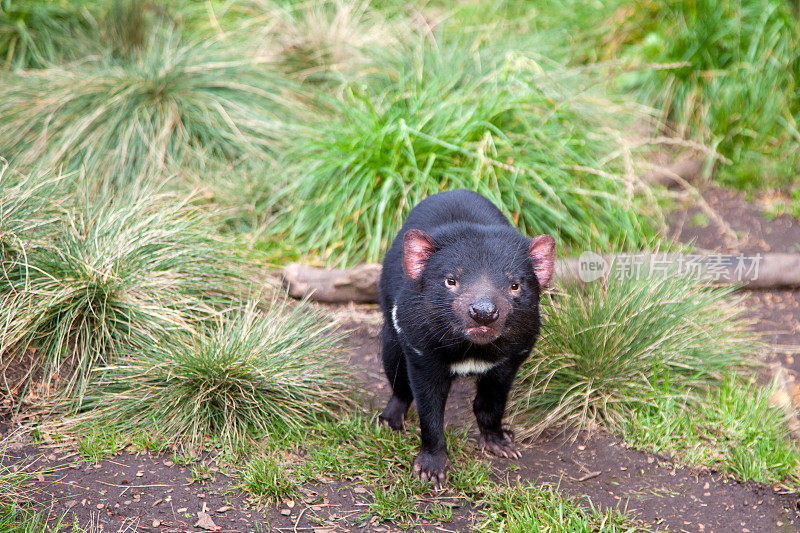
335	117
722	72
537	142
347	113
736	84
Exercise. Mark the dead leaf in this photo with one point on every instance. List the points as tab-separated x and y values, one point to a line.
204	521
224	508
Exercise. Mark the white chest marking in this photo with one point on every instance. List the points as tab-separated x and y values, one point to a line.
394	320
471	366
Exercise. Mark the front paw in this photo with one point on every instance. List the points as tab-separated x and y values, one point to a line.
392	416
432	467
500	443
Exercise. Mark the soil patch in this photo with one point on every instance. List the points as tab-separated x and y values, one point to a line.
776	313
755	232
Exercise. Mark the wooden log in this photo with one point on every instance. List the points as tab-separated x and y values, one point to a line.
757	271
357	284
760	271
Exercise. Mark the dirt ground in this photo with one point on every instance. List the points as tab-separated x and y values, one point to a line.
141	491
775	314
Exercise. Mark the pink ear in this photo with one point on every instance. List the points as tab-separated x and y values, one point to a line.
418	246
543	252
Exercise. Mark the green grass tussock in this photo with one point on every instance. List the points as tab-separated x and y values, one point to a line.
37	34
255	372
34	33
738	430
610	349
521	508
143	118
322	42
111	273
266	479
732	76
522	131
27	209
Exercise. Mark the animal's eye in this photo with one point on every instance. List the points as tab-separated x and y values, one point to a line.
515	287
450	282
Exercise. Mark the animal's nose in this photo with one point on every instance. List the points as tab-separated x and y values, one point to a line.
483	311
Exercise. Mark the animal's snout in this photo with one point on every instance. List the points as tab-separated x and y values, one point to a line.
483	311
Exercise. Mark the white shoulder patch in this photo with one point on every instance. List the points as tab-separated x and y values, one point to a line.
394	320
470	366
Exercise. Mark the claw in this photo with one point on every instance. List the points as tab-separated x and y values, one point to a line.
501	445
433	468
394	425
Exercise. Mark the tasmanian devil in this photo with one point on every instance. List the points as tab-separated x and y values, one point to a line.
460	296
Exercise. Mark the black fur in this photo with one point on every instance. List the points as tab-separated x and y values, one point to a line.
474	259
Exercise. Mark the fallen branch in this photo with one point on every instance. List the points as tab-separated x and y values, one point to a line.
357	284
761	271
